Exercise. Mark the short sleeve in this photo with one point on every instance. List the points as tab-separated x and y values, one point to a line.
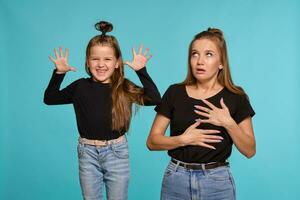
244	110
166	105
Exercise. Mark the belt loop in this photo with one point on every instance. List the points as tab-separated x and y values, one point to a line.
203	167
176	166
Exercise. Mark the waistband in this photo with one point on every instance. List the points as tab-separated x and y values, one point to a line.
101	143
199	166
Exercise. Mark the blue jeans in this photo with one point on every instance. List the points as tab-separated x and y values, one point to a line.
180	183
104	166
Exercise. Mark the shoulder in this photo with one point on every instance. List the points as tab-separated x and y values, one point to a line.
81	81
239	106
173	92
233	96
175	88
237	101
234	100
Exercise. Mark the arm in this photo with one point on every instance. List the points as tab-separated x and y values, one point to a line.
150	90
52	94
242	134
192	136
138	64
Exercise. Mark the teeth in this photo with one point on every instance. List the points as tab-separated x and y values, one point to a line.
101	71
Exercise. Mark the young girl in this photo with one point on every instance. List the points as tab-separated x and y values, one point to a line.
199	150
103	106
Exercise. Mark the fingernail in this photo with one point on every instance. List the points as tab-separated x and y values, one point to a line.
198	120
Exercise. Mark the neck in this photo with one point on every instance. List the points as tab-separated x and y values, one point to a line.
208	85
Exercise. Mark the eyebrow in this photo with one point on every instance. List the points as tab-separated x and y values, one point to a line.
209	51
194	50
96	56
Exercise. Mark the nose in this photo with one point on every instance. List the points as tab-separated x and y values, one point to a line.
101	63
200	60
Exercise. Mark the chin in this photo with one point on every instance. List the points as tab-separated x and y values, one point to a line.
200	77
101	79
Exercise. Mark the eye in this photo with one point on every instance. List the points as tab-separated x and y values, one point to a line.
195	54
209	54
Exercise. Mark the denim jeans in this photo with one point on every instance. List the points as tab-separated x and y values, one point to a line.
104	166
180	183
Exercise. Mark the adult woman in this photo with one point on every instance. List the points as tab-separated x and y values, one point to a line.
199	150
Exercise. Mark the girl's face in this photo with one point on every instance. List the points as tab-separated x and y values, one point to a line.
205	60
102	63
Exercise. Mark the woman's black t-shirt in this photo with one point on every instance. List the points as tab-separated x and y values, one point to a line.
179	108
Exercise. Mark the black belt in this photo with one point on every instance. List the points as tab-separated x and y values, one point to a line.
200	166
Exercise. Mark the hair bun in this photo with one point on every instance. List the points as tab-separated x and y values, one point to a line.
104	27
215	31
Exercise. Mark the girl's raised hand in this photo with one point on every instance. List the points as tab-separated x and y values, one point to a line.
61	61
139	59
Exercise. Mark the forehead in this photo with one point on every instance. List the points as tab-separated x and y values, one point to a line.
102	50
205	44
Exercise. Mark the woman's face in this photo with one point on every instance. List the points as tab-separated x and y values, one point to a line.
102	63
205	60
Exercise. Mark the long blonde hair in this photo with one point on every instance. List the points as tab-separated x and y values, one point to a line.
124	92
224	75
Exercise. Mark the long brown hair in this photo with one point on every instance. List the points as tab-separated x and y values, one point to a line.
124	92
224	76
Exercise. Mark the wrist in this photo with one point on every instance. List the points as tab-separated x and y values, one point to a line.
59	72
137	69
180	140
230	123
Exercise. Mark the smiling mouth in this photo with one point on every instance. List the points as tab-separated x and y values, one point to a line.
100	71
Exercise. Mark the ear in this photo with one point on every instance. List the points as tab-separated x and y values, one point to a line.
118	64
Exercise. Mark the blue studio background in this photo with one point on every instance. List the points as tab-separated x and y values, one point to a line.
38	158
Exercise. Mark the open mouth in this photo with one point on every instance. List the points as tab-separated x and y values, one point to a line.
200	71
101	71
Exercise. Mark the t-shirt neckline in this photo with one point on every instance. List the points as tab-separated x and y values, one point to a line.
214	95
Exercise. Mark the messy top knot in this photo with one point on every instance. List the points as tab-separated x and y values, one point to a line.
215	31
213	34
104	27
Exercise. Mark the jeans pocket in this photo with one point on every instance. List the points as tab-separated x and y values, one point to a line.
120	150
219	174
80	150
168	173
171	169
